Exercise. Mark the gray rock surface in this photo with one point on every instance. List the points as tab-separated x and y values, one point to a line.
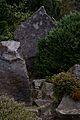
36	88
68	109
75	71
11	45
14	79
42	89
37	83
44	108
30	32
47	90
41	102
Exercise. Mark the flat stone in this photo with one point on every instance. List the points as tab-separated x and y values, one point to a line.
45	109
68	109
41	102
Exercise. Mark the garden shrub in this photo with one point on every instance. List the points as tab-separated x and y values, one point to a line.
55	8
76	91
65	84
10	18
60	49
11	110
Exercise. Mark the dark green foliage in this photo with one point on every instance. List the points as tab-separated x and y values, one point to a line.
55	8
11	2
10	17
34	4
61	48
52	6
11	110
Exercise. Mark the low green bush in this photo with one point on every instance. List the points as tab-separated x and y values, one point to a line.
65	84
60	49
11	110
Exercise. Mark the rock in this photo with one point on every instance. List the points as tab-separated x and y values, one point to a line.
44	108
75	71
47	90
41	102
68	109
30	32
39	95
14	79
42	89
11	45
37	84
36	88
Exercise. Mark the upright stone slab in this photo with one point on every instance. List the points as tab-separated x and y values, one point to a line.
14	80
30	32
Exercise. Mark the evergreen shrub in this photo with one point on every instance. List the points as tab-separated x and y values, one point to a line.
10	18
60	49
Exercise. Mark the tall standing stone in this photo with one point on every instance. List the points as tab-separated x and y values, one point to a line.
30	32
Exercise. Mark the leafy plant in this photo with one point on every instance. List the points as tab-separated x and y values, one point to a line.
55	8
65	84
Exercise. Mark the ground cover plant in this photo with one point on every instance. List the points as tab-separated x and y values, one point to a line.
12	110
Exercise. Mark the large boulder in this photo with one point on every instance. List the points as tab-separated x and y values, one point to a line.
14	80
68	109
30	32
